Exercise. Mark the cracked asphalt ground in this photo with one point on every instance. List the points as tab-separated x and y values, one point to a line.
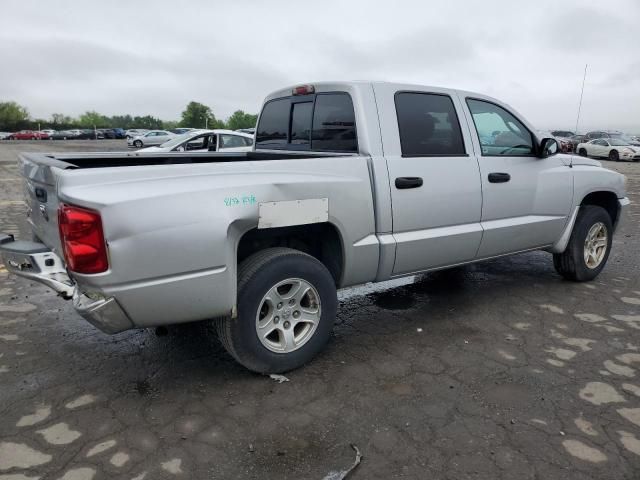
500	370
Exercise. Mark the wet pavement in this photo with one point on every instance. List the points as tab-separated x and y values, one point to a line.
500	370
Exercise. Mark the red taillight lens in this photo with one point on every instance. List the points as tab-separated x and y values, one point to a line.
82	239
303	90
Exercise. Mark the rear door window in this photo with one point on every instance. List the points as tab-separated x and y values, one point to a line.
321	122
428	125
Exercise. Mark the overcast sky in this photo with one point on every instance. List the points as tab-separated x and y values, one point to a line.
153	57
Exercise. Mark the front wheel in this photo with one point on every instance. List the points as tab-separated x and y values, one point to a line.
589	246
287	304
582	152
137	144
614	156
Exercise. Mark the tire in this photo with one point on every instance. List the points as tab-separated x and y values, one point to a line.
614	156
582	152
137	144
260	274
571	263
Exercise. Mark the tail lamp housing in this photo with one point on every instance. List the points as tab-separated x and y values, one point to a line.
82	239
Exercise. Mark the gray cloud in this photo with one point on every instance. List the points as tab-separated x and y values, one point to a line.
153	57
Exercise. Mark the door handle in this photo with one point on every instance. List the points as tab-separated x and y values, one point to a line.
408	182
499	177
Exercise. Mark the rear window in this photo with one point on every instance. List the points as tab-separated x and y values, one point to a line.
321	122
428	125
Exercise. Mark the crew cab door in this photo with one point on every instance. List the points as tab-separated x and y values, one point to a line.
434	181
526	200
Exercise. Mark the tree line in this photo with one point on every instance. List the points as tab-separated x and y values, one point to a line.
14	117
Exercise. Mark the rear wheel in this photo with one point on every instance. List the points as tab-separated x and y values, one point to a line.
614	156
137	144
589	246
582	152
287	304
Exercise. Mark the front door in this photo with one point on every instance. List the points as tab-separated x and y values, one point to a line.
526	200
435	182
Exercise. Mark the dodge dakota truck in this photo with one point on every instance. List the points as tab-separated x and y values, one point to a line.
348	183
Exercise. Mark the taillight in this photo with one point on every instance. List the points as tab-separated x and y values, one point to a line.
303	90
82	239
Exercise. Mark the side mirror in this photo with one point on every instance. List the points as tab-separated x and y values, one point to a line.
548	147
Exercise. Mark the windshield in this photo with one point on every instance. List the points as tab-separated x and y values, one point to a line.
174	142
617	142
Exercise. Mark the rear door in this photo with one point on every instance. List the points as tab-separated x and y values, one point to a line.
526	200
435	179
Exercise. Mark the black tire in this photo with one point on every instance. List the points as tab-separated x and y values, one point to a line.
614	156
137	144
256	276
582	152
570	263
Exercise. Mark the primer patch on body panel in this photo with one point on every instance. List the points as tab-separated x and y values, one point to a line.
294	212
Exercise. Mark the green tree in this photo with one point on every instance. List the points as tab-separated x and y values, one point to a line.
240	119
92	118
13	116
169	124
197	115
60	121
148	122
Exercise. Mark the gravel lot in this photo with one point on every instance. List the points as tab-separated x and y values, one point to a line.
500	370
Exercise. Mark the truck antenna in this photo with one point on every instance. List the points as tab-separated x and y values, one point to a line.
581	94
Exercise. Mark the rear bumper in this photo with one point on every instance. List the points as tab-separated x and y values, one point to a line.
37	262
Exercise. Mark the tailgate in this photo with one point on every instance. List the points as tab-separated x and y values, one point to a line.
42	201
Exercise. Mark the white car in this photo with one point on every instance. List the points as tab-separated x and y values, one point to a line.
4	135
612	148
48	132
154	137
207	141
135	132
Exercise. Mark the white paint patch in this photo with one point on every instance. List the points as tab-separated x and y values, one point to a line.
4	369
631	346
101	447
583	451
506	355
537	370
173	466
140	477
554	362
631	388
19	455
631	300
630	442
589	286
562	326
42	413
561	353
629	358
292	212
59	434
590	317
5	291
557	335
522	325
11	337
600	393
585	427
538	421
119	459
552	308
81	401
632	321
616	369
610	328
631	414
23	308
583	344
82	473
12	321
605	373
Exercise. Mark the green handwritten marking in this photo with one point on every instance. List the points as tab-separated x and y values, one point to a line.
245	200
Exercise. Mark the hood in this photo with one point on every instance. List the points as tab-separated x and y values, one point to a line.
578	160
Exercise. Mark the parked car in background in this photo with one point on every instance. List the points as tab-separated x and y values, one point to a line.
119	132
28	135
250	131
575	140
612	148
48	132
61	135
154	137
564	139
181	130
135	132
4	135
218	140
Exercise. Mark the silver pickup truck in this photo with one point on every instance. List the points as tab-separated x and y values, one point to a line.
348	183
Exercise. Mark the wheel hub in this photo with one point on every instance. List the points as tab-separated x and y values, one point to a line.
288	315
595	245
